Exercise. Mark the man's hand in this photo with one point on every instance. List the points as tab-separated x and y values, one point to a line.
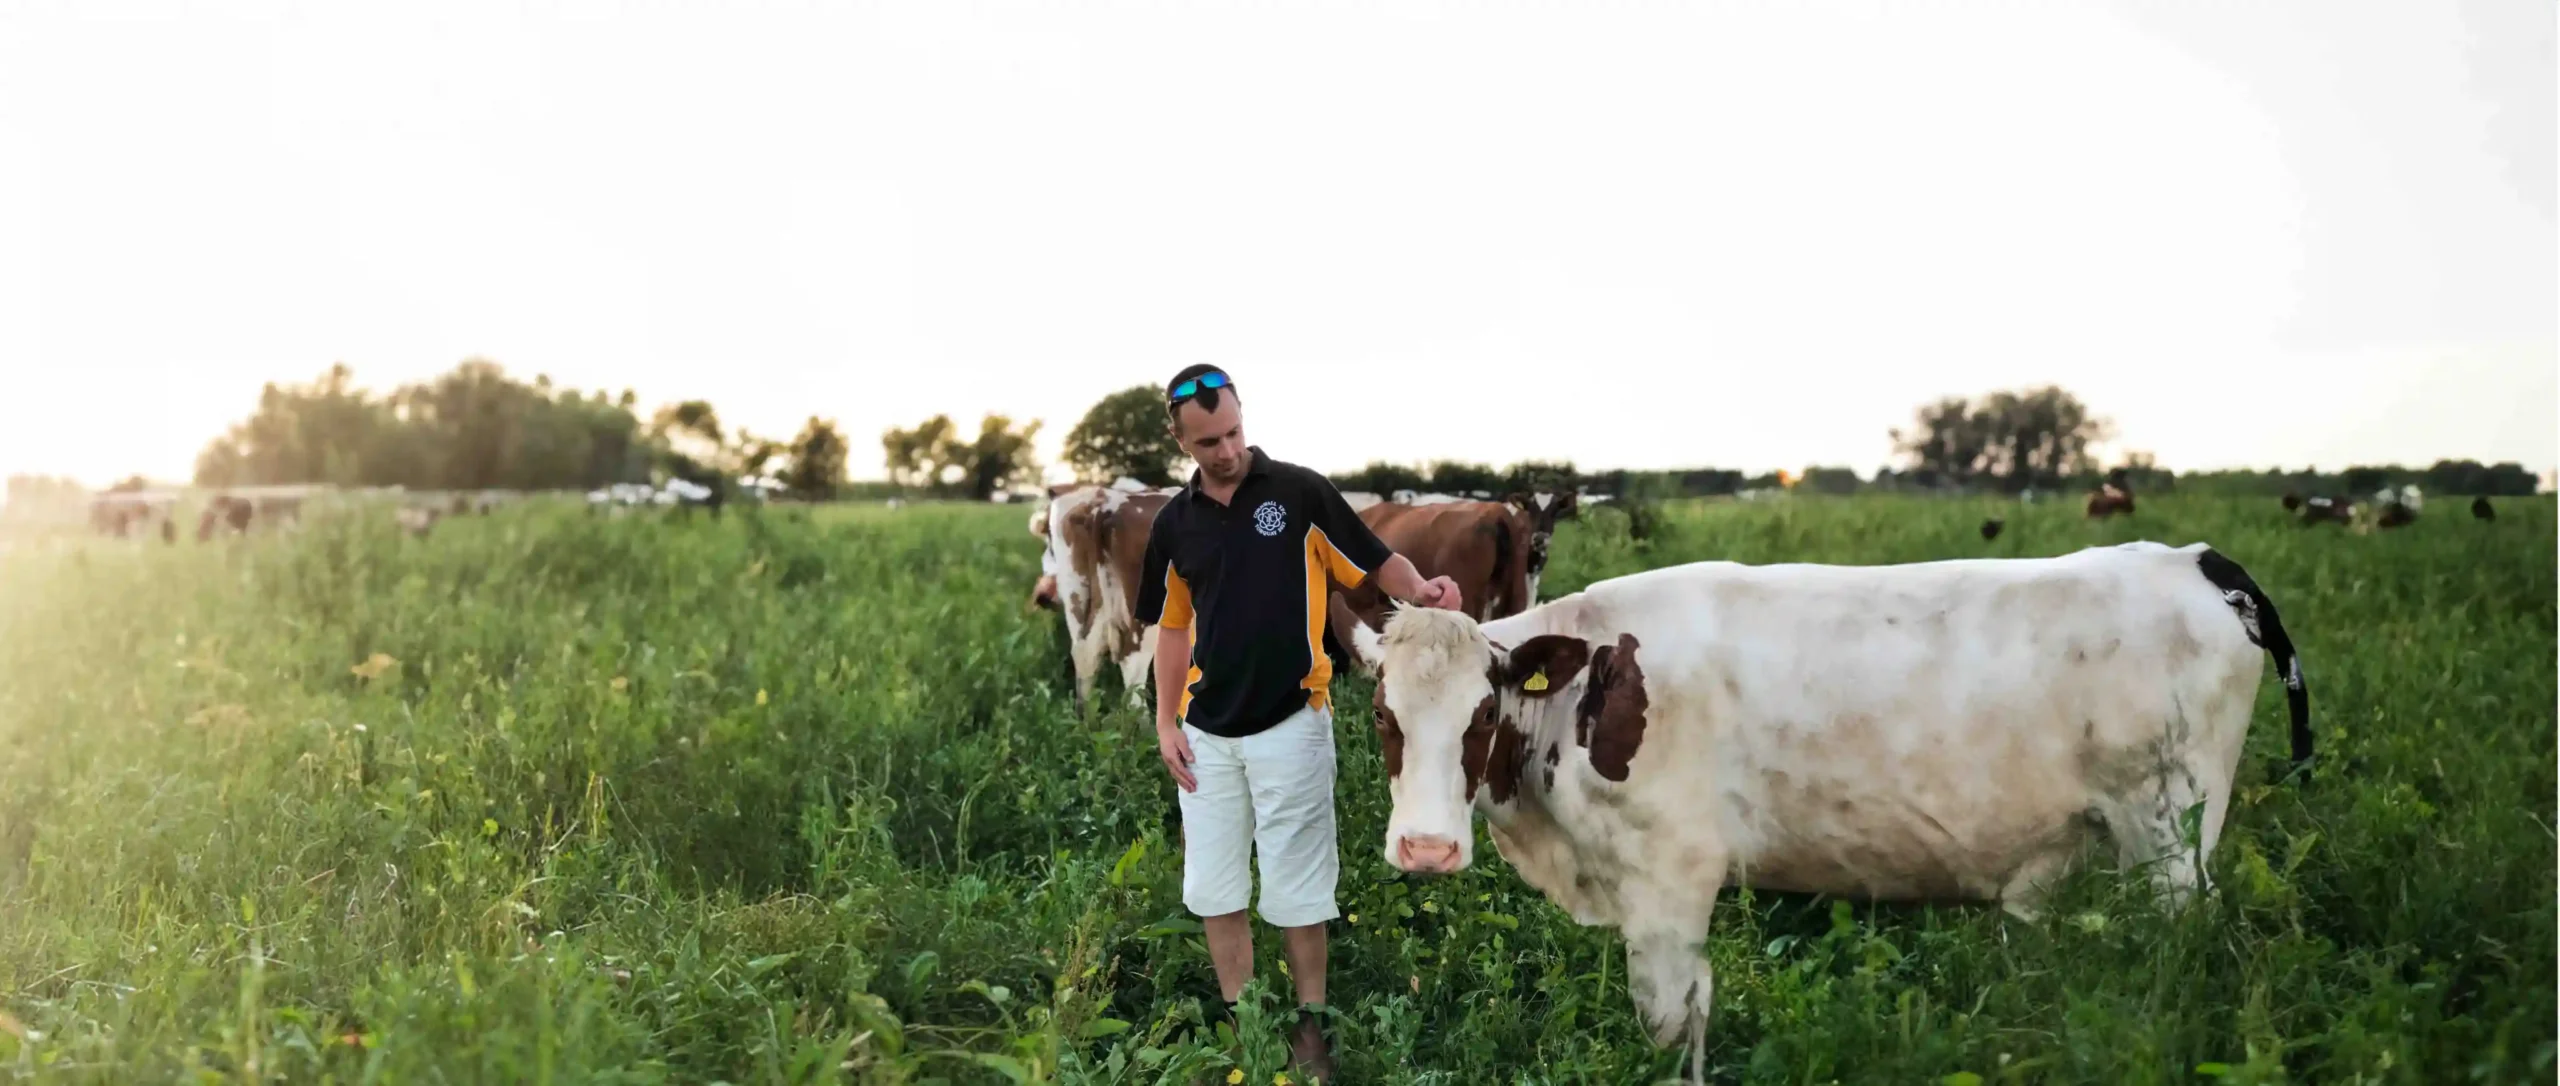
1175	749
1399	580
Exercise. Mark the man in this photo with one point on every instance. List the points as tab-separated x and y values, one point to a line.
1235	579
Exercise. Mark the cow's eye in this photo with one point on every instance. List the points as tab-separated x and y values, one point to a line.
1387	728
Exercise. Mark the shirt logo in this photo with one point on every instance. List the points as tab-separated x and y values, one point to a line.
1269	518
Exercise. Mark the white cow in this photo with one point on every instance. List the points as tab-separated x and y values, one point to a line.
1939	731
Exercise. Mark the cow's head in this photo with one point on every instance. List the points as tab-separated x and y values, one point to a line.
1460	718
1544	509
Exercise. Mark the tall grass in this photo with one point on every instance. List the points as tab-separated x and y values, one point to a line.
548	797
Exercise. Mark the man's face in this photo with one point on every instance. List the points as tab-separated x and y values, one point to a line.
1214	439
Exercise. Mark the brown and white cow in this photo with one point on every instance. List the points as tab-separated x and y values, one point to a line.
2109	500
1495	551
1094	543
2326	510
1947	730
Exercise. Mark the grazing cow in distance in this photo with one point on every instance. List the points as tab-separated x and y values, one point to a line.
2397	508
1940	731
225	512
2292	501
2482	510
1991	529
2109	500
2319	509
417	520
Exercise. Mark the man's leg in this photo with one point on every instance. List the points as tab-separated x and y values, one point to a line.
1306	950
1230	951
1291	771
1217	876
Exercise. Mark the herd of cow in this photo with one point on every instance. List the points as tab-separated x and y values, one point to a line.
1955	730
225	514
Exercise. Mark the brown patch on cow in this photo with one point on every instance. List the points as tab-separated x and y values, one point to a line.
1477	746
1390	741
1609	722
1555	656
1509	761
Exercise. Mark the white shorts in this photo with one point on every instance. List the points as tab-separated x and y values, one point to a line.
1272	793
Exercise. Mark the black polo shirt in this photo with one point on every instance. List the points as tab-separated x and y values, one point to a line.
1248	580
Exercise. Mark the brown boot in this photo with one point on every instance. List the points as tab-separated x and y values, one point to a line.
1309	1054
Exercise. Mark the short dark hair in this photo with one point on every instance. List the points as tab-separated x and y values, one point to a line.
1207	398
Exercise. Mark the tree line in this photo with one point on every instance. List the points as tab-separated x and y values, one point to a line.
477	427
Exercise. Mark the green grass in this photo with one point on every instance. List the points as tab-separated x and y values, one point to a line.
792	799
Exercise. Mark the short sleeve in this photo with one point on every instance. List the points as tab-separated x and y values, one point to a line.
1354	551
1163	597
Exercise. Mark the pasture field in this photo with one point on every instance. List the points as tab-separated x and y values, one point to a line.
548	797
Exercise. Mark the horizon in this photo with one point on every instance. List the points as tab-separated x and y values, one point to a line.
2291	234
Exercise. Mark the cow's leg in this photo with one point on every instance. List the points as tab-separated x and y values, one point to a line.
1137	667
1668	974
1088	657
2024	894
2149	825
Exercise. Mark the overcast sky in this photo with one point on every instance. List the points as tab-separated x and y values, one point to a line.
1741	235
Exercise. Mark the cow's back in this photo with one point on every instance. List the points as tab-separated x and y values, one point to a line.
1483	546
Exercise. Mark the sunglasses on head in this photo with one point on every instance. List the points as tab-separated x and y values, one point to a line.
1192	387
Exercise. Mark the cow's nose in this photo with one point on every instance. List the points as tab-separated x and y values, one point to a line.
1427	855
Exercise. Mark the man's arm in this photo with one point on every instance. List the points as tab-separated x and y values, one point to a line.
1164	602
1173	666
1398	578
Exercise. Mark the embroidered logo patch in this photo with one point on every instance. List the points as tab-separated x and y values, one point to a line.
1269	518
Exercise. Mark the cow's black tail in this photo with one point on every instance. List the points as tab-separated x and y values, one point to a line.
2266	630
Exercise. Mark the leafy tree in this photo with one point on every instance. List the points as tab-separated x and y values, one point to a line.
1453	477
2009	440
817	460
1125	434
932	455
1536	475
469	428
1381	477
1830	480
915	458
1000	456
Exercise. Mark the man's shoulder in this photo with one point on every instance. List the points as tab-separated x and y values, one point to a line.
1298	475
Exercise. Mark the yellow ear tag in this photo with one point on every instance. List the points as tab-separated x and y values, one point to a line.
1536	682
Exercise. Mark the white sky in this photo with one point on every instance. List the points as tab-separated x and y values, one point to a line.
1739	235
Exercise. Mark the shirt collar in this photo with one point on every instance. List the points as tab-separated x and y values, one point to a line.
1257	464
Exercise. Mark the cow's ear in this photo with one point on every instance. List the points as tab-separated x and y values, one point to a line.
1567	504
1544	664
1521	500
1364	643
